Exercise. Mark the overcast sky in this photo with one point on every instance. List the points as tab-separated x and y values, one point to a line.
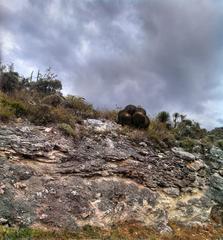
161	54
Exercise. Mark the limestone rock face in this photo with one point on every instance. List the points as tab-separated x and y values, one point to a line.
101	179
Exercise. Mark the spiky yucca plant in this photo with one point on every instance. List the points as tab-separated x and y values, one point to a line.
163	117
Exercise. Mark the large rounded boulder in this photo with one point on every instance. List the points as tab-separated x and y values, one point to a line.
131	109
124	118
142	110
133	116
140	120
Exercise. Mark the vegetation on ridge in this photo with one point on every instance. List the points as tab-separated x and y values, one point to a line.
41	101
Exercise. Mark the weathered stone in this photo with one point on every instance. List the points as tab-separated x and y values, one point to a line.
3	221
217	214
21	172
20	185
202	173
101	126
221	172
143	144
100	179
172	191
2	188
216	188
216	153
196	165
184	155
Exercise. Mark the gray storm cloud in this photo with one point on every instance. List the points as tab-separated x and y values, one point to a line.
159	54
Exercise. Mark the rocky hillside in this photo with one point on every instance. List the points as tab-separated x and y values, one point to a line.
66	165
104	178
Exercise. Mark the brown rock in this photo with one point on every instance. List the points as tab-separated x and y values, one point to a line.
124	118
140	120
131	109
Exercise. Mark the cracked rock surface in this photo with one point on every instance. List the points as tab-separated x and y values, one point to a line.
47	179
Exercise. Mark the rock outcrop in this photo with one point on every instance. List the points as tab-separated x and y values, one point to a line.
102	178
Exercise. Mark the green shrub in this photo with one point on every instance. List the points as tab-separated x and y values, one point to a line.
17	107
6	114
188	122
191	129
220	144
158	131
187	144
9	82
40	114
10	107
47	86
46	83
54	100
136	135
206	142
67	129
79	106
63	115
216	133
163	117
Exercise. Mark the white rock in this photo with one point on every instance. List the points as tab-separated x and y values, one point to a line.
39	194
74	193
48	129
20	185
43	216
183	154
101	125
3	220
149	166
143	144
109	143
2	188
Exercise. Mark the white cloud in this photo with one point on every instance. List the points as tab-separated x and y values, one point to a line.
14	5
164	55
